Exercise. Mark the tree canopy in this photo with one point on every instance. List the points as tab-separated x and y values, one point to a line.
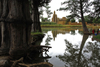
72	20
48	11
96	9
88	19
74	7
77	9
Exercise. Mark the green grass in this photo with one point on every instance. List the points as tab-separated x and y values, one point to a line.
97	36
48	23
53	24
34	33
59	25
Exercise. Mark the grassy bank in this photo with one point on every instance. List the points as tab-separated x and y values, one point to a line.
55	26
49	23
97	36
61	25
35	33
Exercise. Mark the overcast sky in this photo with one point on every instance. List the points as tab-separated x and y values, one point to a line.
56	4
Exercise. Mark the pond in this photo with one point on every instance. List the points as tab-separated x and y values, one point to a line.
71	48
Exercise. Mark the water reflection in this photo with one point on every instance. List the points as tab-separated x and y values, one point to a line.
86	56
73	32
73	54
73	49
81	48
48	40
64	31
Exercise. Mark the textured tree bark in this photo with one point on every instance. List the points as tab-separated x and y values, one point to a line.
5	39
1	6
15	25
0	34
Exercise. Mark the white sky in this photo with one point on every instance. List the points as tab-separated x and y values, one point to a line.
56	4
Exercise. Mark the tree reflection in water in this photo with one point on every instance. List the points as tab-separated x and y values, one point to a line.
86	56
48	40
72	32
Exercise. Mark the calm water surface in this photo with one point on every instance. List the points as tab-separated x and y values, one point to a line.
70	48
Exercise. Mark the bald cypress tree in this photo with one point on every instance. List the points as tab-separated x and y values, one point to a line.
15	26
77	9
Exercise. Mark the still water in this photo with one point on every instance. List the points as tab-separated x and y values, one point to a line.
70	48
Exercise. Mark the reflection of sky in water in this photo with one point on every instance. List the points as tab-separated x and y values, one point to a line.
58	45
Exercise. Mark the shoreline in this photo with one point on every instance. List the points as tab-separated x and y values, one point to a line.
65	26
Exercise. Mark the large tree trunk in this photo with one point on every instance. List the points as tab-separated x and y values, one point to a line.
36	19
15	25
85	29
1	6
5	38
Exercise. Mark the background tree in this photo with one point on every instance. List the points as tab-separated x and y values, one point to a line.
88	19
77	9
48	11
95	13
96	9
35	4
80	20
95	20
45	19
72	20
41	13
67	21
